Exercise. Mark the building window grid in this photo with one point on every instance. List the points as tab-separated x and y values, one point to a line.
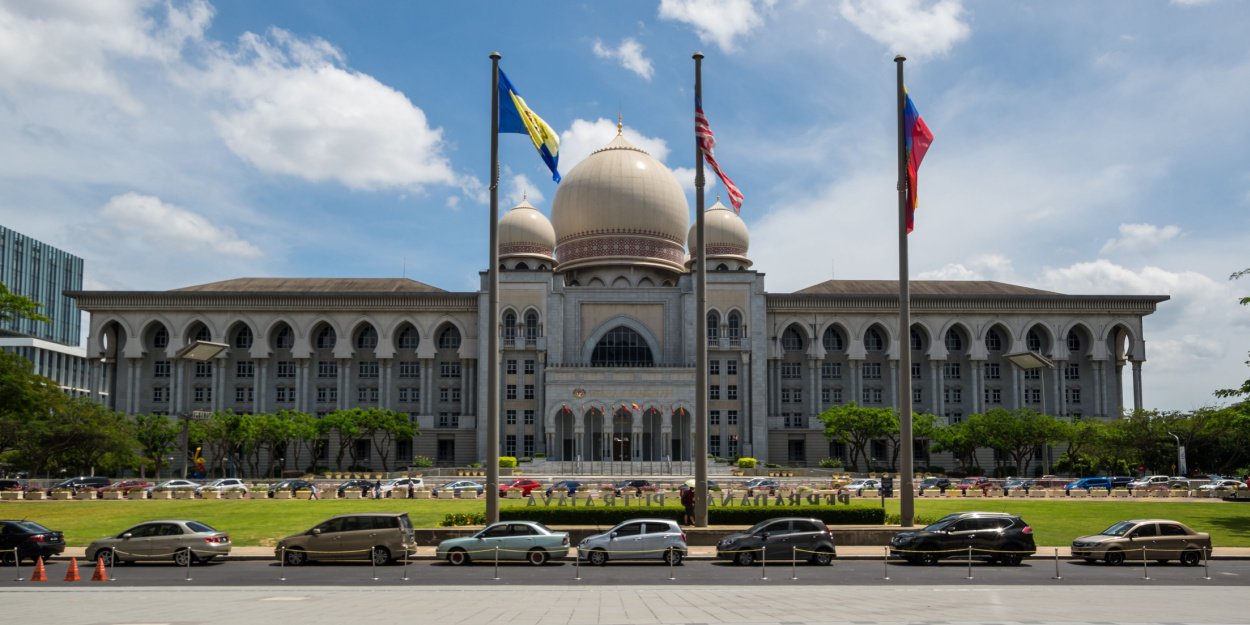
872	371
245	369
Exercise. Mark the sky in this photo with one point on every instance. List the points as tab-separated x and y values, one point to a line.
1081	147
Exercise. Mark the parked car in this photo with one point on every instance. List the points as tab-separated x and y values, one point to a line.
1155	539
1150	481
860	485
124	486
997	536
525	485
455	488
378	536
567	486
515	540
783	538
767	485
180	541
637	486
81	482
975	482
939	483
401	483
636	539
173	485
293	486
12	485
223	485
31	540
1221	485
1087	483
356	485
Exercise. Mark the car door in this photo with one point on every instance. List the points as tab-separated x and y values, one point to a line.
626	542
167	539
139	545
961	535
654	540
495	536
521	538
1170	542
1144	538
775	538
988	539
804	537
360	534
327	542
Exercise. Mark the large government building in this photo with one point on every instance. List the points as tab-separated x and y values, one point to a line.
597	326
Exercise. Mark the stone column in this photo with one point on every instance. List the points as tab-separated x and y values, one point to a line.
892	389
939	380
343	381
177	386
260	385
813	387
384	384
540	396
427	385
978	397
1137	394
303	399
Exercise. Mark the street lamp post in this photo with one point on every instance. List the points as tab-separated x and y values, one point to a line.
196	351
1181	469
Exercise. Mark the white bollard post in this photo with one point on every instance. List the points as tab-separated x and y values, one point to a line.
496	562
1206	563
764	563
1057	576
1145	568
969	561
794	563
405	577
17	567
373	564
577	566
190	557
282	565
885	563
671	555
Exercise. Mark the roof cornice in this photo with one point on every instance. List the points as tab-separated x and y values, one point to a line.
1107	304
178	300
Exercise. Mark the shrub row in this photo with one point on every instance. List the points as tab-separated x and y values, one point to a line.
839	515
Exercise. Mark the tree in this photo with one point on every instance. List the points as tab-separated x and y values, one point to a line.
383	427
14	306
303	433
157	436
22	395
922	424
1017	434
857	426
1244	390
78	435
956	438
344	423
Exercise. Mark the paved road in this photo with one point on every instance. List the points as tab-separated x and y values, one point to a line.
1231	573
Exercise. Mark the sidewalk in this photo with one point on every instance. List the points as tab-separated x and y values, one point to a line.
426	552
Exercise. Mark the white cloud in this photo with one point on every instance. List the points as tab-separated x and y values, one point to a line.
519	188
685	176
984	267
584	137
909	27
153	224
717	21
630	54
1139	238
292	109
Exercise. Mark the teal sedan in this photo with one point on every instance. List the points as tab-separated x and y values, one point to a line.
508	540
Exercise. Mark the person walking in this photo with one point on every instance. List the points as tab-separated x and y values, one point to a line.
687	502
314	495
377	489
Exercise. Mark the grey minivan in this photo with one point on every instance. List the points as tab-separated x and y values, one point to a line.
378	536
636	539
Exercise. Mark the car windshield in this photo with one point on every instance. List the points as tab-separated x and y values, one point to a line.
32	526
196	526
757	527
941	523
1119	529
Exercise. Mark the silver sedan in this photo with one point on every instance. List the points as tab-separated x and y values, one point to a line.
179	541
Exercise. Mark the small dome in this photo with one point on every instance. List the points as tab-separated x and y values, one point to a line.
525	231
727	236
620	206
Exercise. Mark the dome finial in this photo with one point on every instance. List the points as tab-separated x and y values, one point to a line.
620	123
525	195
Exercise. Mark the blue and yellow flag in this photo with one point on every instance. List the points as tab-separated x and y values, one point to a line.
516	117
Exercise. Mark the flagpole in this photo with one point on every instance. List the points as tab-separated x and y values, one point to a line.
492	308
700	307
906	501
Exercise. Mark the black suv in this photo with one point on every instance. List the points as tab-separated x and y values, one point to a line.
996	536
939	483
783	539
79	483
635	485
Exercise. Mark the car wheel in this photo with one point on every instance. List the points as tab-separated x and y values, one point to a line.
1090	560
457	557
673	557
823	557
381	556
598	557
745	558
1191	557
1012	559
1115	557
296	557
927	558
537	557
182	557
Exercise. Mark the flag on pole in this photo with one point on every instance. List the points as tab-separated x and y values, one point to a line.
917	136
634	406
707	141
516	117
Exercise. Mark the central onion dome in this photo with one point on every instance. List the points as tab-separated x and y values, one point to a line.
620	206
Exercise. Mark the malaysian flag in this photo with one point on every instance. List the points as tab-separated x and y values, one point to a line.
707	141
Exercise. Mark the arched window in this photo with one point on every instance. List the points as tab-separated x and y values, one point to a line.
367	339
522	266
734	326
531	326
993	342
160	339
284	339
917	341
203	334
1074	341
621	347
713	326
833	340
509	326
873	341
243	338
409	339
954	342
1033	341
326	338
449	339
791	340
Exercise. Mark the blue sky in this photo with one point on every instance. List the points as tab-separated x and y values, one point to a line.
1080	147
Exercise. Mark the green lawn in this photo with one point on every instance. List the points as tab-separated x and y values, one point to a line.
263	521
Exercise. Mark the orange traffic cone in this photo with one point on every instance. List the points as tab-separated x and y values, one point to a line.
40	575
100	575
71	575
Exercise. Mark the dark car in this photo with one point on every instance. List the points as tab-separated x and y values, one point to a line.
940	483
79	483
12	485
31	540
780	539
635	485
1120	481
996	536
291	485
569	486
355	485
